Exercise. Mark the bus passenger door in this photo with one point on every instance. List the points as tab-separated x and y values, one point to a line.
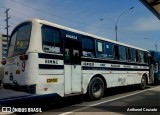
72	67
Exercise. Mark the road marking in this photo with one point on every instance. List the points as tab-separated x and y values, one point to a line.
5	113
66	113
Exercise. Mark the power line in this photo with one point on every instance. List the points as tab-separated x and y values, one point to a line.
13	23
134	39
12	10
2	25
2	16
45	12
41	10
21	13
2	8
2	28
16	17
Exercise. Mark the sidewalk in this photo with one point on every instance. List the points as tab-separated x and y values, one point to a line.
7	93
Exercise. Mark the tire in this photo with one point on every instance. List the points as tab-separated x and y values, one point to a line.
143	82
95	88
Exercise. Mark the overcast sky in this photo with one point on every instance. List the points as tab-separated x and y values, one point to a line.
85	15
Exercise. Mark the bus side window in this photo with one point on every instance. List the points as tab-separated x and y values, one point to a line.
137	56
88	47
151	58
145	57
122	53
108	50
141	56
133	55
67	56
51	40
76	57
128	54
100	49
116	52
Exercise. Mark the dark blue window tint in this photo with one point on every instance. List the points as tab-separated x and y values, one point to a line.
108	49
122	53
51	39
87	43
133	55
50	36
88	47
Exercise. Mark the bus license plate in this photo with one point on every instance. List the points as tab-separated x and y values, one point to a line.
52	80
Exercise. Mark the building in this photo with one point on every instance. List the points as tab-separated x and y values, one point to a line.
3	52
3	46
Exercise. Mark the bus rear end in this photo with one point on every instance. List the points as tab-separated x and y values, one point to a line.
16	65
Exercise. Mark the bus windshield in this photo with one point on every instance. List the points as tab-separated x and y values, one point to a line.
19	41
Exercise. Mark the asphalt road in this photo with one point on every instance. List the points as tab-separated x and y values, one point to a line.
123	100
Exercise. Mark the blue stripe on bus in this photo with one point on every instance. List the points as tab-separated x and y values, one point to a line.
52	56
114	69
112	61
47	66
49	56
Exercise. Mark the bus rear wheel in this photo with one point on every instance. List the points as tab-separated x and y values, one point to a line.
143	82
95	88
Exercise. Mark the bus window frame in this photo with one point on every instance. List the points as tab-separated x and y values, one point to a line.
16	31
140	58
128	54
116	45
120	46
60	38
86	50
146	57
103	49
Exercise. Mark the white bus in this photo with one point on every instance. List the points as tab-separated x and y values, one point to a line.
47	58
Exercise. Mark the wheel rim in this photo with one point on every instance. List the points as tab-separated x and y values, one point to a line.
97	89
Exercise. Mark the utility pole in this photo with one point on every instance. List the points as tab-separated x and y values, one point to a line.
7	26
116	22
156	46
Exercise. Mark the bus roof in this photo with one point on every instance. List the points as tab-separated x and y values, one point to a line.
79	32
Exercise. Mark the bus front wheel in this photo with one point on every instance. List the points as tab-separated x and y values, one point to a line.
95	88
143	82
